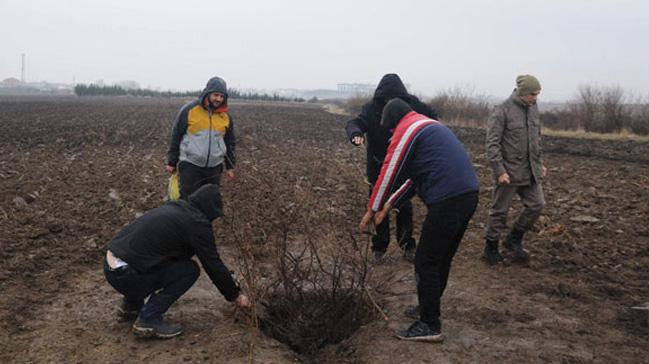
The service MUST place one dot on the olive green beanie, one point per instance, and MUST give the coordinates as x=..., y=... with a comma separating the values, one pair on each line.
x=526, y=84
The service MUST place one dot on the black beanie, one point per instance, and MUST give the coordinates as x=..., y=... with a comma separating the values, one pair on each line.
x=393, y=112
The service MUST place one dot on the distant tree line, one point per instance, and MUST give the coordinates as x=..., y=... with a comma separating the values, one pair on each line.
x=114, y=90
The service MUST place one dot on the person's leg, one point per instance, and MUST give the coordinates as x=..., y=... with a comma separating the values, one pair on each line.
x=173, y=279
x=189, y=177
x=436, y=242
x=466, y=206
x=211, y=175
x=497, y=222
x=133, y=287
x=405, y=228
x=533, y=204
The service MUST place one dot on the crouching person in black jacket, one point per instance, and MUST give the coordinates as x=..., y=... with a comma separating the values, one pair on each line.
x=152, y=257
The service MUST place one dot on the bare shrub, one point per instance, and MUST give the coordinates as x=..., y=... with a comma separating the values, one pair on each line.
x=289, y=218
x=639, y=117
x=559, y=119
x=601, y=109
x=461, y=105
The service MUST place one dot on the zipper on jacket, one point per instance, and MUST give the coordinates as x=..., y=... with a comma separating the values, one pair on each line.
x=209, y=140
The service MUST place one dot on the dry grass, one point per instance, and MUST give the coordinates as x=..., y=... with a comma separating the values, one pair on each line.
x=625, y=134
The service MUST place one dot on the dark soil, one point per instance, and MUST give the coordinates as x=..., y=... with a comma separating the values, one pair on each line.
x=75, y=170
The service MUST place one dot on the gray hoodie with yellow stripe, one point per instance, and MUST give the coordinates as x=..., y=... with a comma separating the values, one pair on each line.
x=203, y=135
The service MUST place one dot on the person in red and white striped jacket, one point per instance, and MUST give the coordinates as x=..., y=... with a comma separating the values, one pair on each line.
x=440, y=171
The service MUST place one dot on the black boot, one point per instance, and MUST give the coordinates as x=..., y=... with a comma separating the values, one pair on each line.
x=491, y=255
x=514, y=243
x=156, y=328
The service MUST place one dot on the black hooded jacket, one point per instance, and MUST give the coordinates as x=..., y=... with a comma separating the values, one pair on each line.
x=368, y=122
x=177, y=230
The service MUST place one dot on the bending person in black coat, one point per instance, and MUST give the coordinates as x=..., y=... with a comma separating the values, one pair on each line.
x=152, y=257
x=366, y=127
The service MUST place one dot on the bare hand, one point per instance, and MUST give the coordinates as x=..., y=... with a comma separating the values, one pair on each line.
x=229, y=175
x=381, y=215
x=544, y=171
x=503, y=179
x=242, y=301
x=365, y=221
x=170, y=169
x=358, y=140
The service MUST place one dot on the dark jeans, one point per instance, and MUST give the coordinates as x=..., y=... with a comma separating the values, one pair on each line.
x=165, y=284
x=441, y=234
x=381, y=240
x=192, y=177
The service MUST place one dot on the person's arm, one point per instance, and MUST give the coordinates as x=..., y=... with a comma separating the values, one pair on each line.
x=205, y=249
x=177, y=132
x=230, y=145
x=357, y=127
x=495, y=130
x=401, y=195
x=399, y=152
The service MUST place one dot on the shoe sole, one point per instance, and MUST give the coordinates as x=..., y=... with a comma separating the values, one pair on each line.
x=428, y=339
x=148, y=333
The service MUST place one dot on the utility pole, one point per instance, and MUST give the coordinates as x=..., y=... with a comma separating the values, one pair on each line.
x=22, y=69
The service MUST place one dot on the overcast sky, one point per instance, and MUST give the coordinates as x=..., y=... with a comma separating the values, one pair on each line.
x=433, y=45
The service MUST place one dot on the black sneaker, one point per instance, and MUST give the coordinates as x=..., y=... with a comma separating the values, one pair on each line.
x=421, y=331
x=412, y=312
x=156, y=328
x=491, y=255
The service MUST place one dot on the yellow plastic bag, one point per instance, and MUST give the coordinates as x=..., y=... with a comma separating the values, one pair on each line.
x=174, y=187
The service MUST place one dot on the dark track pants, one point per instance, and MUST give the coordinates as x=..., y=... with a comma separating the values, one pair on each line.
x=441, y=234
x=164, y=284
x=192, y=177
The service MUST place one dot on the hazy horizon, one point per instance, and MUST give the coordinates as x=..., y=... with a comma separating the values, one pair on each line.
x=304, y=45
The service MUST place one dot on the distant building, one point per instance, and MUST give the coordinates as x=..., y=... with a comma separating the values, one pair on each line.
x=350, y=89
x=10, y=82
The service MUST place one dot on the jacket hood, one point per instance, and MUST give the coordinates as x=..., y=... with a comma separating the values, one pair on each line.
x=393, y=112
x=208, y=200
x=390, y=87
x=215, y=84
x=517, y=100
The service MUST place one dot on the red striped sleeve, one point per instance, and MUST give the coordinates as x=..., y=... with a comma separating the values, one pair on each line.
x=402, y=139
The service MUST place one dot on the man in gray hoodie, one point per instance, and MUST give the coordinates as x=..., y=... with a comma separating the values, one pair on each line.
x=202, y=140
x=514, y=153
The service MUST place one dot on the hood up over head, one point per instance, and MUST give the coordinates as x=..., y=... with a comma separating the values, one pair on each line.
x=208, y=200
x=390, y=87
x=215, y=84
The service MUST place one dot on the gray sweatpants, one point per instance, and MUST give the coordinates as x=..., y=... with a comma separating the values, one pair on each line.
x=533, y=203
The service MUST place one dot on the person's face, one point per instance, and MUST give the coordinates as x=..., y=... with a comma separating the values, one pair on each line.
x=531, y=98
x=216, y=98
